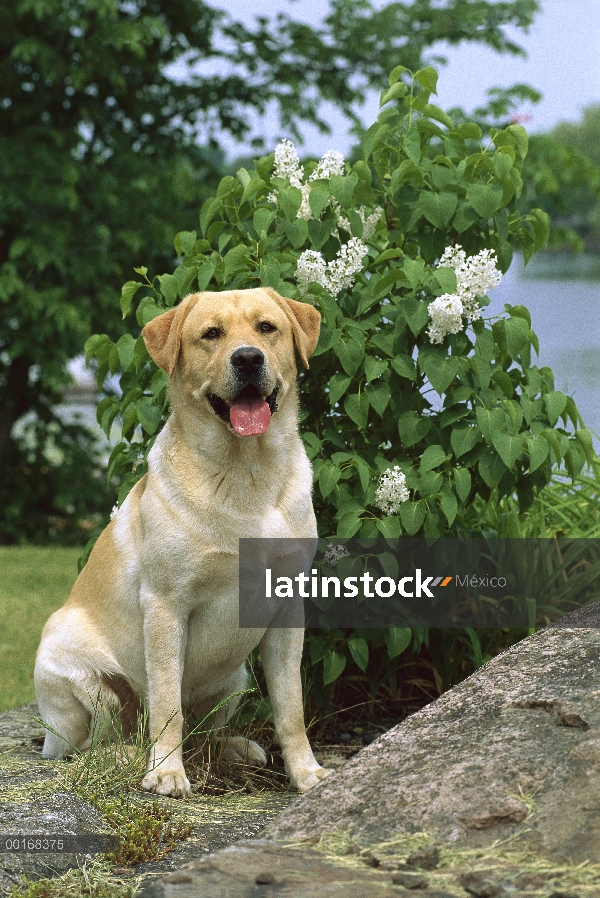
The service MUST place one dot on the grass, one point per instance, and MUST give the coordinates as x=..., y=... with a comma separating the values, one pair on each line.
x=34, y=583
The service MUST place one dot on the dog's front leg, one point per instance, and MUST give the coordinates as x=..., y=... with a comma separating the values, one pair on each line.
x=165, y=637
x=281, y=653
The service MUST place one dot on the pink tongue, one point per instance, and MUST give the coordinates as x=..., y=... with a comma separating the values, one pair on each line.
x=249, y=415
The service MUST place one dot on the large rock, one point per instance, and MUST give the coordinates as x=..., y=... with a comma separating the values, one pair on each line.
x=512, y=751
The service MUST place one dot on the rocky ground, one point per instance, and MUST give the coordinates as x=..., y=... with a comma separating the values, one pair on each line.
x=491, y=790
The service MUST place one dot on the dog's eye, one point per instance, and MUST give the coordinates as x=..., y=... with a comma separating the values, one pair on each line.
x=266, y=327
x=212, y=333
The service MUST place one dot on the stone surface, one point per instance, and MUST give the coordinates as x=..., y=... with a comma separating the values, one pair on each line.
x=514, y=751
x=257, y=868
x=33, y=800
x=511, y=753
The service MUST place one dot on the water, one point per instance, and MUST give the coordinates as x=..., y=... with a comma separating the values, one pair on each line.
x=565, y=315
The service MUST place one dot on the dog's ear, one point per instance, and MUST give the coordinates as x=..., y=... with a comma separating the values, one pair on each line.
x=162, y=335
x=305, y=321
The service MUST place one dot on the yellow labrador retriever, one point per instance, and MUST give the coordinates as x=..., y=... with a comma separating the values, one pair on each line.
x=154, y=613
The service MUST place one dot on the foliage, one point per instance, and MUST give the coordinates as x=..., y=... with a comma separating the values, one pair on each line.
x=466, y=420
x=565, y=182
x=109, y=118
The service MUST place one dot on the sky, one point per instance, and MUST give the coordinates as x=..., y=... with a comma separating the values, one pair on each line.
x=563, y=48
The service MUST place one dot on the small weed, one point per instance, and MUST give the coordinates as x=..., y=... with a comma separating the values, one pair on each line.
x=145, y=833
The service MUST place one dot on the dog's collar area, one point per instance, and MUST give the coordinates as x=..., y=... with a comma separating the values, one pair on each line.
x=221, y=408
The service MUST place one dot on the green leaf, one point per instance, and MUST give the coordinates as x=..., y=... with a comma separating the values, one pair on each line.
x=328, y=477
x=342, y=187
x=517, y=335
x=364, y=472
x=427, y=78
x=432, y=458
x=399, y=89
x=490, y=420
x=333, y=665
x=378, y=395
x=338, y=385
x=412, y=428
x=262, y=220
x=319, y=232
x=297, y=232
x=318, y=199
x=149, y=414
x=359, y=651
x=463, y=438
x=508, y=447
x=350, y=353
x=438, y=208
x=357, y=408
x=389, y=526
x=555, y=403
x=552, y=439
x=397, y=640
x=349, y=523
x=416, y=314
x=441, y=369
x=374, y=368
x=128, y=291
x=462, y=483
x=485, y=198
x=412, y=515
x=126, y=349
x=184, y=242
x=289, y=199
x=449, y=506
x=205, y=273
x=538, y=449
x=396, y=74
x=584, y=438
x=464, y=217
x=446, y=278
x=405, y=366
x=492, y=468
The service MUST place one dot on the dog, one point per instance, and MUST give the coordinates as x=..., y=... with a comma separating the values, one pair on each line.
x=154, y=613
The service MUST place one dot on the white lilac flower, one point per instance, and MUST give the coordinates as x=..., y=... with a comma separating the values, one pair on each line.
x=287, y=163
x=332, y=163
x=311, y=268
x=348, y=262
x=475, y=275
x=334, y=553
x=334, y=276
x=446, y=317
x=392, y=491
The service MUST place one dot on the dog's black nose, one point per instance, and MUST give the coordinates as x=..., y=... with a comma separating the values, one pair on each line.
x=247, y=359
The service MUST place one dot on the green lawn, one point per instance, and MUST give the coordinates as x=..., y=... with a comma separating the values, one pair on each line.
x=34, y=582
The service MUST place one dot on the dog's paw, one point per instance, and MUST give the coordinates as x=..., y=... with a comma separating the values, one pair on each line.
x=167, y=782
x=303, y=780
x=244, y=751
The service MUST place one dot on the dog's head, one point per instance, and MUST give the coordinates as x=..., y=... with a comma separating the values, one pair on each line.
x=234, y=351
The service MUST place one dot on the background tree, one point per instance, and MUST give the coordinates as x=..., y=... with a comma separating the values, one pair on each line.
x=105, y=154
x=562, y=176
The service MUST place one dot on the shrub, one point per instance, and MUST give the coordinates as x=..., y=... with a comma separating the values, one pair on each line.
x=408, y=377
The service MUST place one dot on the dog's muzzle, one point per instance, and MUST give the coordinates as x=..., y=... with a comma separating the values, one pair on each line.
x=249, y=412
